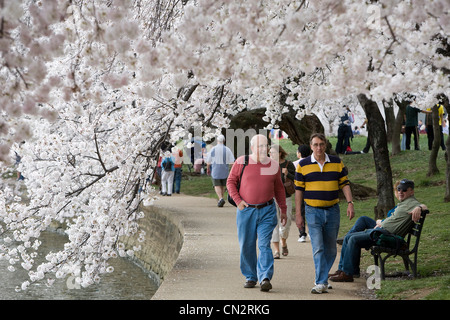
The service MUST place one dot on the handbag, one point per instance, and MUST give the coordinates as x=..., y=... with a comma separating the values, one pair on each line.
x=229, y=198
x=289, y=183
x=383, y=238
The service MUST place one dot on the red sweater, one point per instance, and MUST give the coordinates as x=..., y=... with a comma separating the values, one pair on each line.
x=260, y=183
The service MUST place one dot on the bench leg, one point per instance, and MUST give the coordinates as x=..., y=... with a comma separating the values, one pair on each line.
x=406, y=262
x=409, y=264
x=382, y=274
x=414, y=270
x=414, y=265
x=379, y=262
x=375, y=259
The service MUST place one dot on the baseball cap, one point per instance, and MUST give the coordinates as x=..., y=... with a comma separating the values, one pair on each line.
x=405, y=184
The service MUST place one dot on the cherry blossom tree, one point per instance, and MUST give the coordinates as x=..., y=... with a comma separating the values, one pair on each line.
x=95, y=88
x=324, y=51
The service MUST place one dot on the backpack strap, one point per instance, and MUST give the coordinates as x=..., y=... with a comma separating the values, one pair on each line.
x=230, y=199
x=242, y=172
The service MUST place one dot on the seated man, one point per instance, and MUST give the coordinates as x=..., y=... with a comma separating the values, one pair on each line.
x=399, y=223
x=364, y=222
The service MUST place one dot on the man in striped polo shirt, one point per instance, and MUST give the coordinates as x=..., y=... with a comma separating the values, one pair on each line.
x=318, y=179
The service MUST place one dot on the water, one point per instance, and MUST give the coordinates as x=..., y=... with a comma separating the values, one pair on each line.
x=127, y=282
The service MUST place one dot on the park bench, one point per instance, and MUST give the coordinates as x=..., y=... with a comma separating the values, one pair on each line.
x=415, y=232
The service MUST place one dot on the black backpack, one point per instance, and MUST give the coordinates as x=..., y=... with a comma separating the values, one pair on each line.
x=167, y=165
x=384, y=238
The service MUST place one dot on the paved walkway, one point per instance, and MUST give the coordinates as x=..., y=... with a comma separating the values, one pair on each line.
x=208, y=265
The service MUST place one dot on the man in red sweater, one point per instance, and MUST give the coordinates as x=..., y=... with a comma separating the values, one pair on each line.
x=256, y=211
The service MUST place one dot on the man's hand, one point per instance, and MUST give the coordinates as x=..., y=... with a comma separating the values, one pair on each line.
x=378, y=225
x=299, y=221
x=417, y=212
x=350, y=211
x=242, y=205
x=348, y=196
x=283, y=218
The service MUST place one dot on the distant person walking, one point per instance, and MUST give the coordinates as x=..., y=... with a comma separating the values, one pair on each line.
x=217, y=165
x=344, y=131
x=318, y=180
x=256, y=215
x=411, y=122
x=178, y=166
x=168, y=170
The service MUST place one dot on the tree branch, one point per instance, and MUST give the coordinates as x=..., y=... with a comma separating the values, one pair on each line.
x=394, y=40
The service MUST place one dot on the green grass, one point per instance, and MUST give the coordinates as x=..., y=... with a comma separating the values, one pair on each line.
x=434, y=250
x=197, y=185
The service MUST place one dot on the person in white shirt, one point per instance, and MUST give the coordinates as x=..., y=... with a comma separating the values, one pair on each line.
x=217, y=165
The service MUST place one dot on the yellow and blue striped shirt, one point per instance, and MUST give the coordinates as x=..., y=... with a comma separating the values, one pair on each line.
x=321, y=186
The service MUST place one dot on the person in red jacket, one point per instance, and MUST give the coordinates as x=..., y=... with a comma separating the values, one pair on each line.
x=256, y=211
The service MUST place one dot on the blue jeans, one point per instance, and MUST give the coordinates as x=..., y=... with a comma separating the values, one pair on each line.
x=363, y=223
x=177, y=180
x=256, y=225
x=351, y=250
x=323, y=224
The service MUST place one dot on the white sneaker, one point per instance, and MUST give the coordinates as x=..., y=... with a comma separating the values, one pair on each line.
x=302, y=239
x=319, y=288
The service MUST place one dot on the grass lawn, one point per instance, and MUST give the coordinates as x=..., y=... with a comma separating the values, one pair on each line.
x=434, y=250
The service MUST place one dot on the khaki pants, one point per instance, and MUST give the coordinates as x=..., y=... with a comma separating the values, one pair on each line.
x=283, y=231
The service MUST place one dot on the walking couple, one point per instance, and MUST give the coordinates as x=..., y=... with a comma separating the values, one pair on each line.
x=257, y=214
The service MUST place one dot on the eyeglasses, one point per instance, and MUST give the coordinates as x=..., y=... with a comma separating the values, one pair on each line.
x=402, y=189
x=315, y=145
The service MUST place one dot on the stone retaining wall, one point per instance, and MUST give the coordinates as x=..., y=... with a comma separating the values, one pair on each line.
x=163, y=242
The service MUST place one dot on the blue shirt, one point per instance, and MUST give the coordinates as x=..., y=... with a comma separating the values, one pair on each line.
x=220, y=157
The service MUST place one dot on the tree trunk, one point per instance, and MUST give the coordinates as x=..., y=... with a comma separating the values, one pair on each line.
x=378, y=139
x=398, y=126
x=432, y=165
x=390, y=119
x=299, y=131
